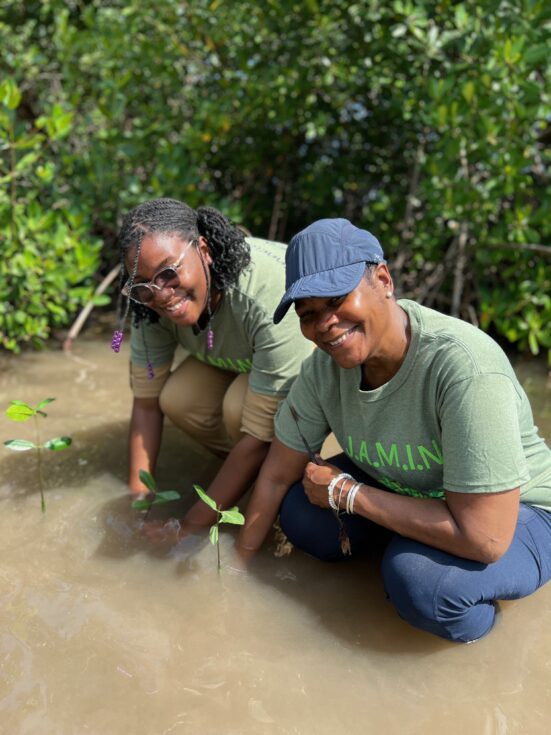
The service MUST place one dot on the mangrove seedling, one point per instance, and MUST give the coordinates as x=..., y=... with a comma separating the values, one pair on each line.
x=232, y=515
x=20, y=411
x=155, y=497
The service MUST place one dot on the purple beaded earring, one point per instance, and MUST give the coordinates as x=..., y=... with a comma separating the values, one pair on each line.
x=118, y=334
x=116, y=340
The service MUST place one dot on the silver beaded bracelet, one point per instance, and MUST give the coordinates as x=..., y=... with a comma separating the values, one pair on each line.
x=331, y=487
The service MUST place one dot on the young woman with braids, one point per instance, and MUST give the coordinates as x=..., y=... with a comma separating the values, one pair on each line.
x=191, y=278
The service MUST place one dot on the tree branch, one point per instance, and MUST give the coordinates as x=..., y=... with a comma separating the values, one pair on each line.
x=459, y=269
x=276, y=209
x=544, y=249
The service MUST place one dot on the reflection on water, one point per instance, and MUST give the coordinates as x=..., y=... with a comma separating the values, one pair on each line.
x=102, y=633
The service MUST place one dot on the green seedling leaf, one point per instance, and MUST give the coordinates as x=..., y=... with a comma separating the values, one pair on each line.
x=19, y=445
x=167, y=496
x=59, y=443
x=148, y=480
x=204, y=497
x=44, y=403
x=213, y=534
x=232, y=515
x=19, y=411
x=143, y=504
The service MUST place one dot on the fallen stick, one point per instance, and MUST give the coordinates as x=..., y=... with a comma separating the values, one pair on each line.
x=87, y=310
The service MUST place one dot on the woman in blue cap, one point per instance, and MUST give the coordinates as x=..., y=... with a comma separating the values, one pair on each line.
x=440, y=447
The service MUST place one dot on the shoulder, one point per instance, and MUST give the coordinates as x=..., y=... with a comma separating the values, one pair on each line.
x=456, y=348
x=320, y=371
x=266, y=252
x=260, y=286
x=263, y=281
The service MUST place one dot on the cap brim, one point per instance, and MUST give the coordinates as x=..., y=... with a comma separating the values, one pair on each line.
x=334, y=282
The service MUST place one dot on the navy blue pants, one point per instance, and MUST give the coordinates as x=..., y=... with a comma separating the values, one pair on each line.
x=440, y=593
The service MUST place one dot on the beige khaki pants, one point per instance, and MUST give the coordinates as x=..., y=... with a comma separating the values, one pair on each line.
x=206, y=403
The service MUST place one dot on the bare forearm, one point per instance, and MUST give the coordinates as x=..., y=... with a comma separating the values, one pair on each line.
x=282, y=468
x=146, y=426
x=260, y=516
x=432, y=522
x=426, y=520
x=232, y=480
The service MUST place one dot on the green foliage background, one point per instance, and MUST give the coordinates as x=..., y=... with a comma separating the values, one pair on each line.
x=426, y=122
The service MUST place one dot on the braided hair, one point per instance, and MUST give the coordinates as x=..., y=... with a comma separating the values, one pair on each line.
x=229, y=251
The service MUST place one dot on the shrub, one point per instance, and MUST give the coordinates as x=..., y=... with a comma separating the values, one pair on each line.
x=48, y=255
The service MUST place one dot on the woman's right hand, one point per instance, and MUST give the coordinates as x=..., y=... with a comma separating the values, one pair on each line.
x=241, y=558
x=173, y=532
x=163, y=532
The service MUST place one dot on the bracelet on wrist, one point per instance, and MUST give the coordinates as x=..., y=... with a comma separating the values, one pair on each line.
x=331, y=489
x=351, y=497
x=341, y=490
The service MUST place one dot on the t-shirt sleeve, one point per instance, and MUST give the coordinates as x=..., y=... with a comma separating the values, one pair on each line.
x=481, y=437
x=311, y=419
x=155, y=343
x=145, y=386
x=278, y=352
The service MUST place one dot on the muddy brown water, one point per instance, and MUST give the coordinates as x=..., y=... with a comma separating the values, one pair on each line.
x=101, y=633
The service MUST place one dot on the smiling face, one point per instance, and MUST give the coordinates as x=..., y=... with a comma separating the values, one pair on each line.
x=185, y=302
x=357, y=328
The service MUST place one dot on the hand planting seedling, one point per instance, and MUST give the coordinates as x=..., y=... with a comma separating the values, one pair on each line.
x=155, y=497
x=232, y=515
x=20, y=411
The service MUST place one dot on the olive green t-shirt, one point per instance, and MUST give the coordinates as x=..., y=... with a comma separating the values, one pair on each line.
x=453, y=417
x=245, y=338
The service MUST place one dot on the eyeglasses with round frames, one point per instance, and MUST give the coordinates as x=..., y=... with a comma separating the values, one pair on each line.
x=166, y=277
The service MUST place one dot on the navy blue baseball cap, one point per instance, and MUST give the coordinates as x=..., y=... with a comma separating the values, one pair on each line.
x=326, y=259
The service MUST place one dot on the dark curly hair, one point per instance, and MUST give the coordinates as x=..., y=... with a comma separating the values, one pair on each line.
x=229, y=251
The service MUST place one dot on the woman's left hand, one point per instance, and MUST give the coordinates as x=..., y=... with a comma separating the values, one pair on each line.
x=316, y=481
